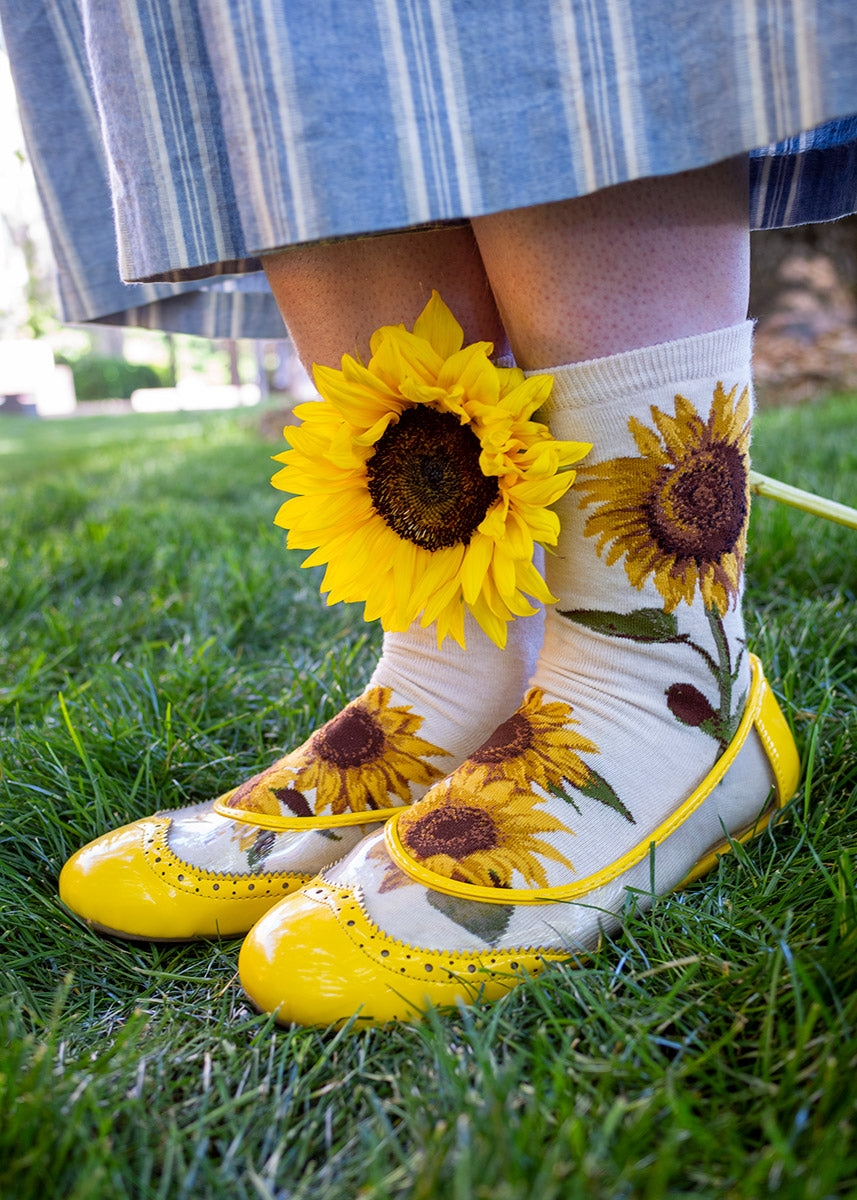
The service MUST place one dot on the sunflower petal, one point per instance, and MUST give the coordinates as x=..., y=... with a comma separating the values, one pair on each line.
x=493, y=626
x=477, y=560
x=472, y=370
x=400, y=354
x=439, y=327
x=359, y=405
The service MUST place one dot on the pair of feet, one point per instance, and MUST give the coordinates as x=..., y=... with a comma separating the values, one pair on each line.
x=461, y=839
x=369, y=881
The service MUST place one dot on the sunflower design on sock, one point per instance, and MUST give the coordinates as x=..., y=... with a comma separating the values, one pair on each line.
x=422, y=482
x=394, y=877
x=357, y=762
x=270, y=794
x=480, y=824
x=534, y=746
x=481, y=836
x=264, y=793
x=679, y=512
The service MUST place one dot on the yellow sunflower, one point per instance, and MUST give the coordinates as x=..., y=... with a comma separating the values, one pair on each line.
x=480, y=835
x=357, y=762
x=678, y=513
x=535, y=745
x=422, y=482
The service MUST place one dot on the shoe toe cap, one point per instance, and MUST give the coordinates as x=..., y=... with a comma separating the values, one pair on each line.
x=299, y=963
x=126, y=884
x=111, y=884
x=315, y=959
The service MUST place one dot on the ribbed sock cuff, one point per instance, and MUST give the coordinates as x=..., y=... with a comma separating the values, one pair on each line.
x=622, y=376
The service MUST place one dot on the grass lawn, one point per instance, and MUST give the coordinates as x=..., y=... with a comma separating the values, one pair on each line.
x=158, y=644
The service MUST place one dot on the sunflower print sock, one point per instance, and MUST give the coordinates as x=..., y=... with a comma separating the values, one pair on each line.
x=424, y=709
x=644, y=671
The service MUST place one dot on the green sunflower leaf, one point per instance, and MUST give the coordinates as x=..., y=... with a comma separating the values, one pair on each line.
x=486, y=921
x=736, y=718
x=261, y=846
x=715, y=728
x=330, y=834
x=641, y=625
x=563, y=795
x=597, y=788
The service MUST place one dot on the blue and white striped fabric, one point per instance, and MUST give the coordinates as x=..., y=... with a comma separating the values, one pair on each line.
x=234, y=127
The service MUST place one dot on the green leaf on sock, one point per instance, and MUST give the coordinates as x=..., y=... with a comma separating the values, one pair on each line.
x=261, y=846
x=330, y=834
x=642, y=625
x=562, y=795
x=718, y=731
x=736, y=718
x=597, y=788
x=486, y=921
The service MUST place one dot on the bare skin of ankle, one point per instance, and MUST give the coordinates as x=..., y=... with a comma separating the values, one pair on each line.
x=630, y=266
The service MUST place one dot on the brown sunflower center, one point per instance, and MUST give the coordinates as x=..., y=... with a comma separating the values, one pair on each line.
x=508, y=740
x=425, y=482
x=698, y=510
x=351, y=739
x=456, y=830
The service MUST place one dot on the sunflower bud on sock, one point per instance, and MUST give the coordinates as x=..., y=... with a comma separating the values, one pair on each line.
x=647, y=736
x=422, y=482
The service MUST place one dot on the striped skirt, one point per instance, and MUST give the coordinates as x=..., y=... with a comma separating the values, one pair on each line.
x=181, y=139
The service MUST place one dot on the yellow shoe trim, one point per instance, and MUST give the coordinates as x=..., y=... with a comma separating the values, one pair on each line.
x=212, y=885
x=318, y=958
x=405, y=959
x=129, y=883
x=369, y=816
x=762, y=713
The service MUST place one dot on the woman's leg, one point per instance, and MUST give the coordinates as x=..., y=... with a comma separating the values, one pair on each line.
x=333, y=297
x=635, y=300
x=630, y=266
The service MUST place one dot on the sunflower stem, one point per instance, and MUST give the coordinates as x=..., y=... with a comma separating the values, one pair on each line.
x=720, y=726
x=723, y=675
x=703, y=653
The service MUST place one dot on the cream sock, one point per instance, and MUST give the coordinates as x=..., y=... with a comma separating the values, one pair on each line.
x=646, y=641
x=424, y=709
x=642, y=679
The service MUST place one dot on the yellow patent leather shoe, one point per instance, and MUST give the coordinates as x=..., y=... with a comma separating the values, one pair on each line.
x=130, y=883
x=213, y=869
x=383, y=936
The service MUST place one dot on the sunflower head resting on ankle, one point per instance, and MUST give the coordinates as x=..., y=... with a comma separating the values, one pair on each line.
x=422, y=482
